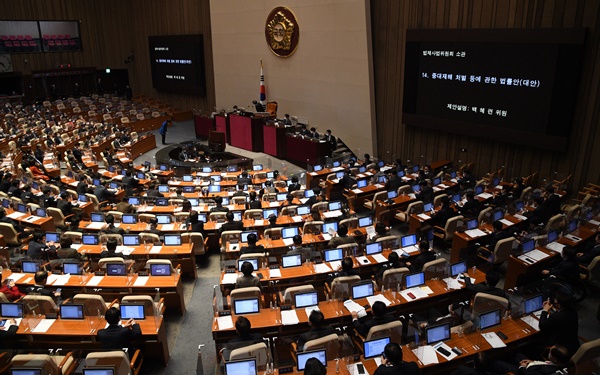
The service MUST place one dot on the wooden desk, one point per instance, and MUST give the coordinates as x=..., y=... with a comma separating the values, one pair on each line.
x=203, y=125
x=246, y=132
x=274, y=142
x=357, y=197
x=384, y=212
x=36, y=222
x=302, y=151
x=143, y=145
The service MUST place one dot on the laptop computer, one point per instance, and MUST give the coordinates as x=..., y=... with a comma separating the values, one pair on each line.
x=257, y=167
x=409, y=240
x=302, y=357
x=552, y=236
x=373, y=248
x=437, y=333
x=309, y=193
x=11, y=310
x=268, y=212
x=294, y=260
x=472, y=224
x=71, y=268
x=133, y=311
x=416, y=188
x=361, y=183
x=333, y=255
x=163, y=188
x=489, y=319
x=245, y=235
x=498, y=215
x=71, y=311
x=427, y=207
x=187, y=178
x=99, y=371
x=246, y=306
x=392, y=194
x=478, y=189
x=289, y=232
x=307, y=299
x=362, y=289
x=82, y=198
x=237, y=216
x=528, y=246
x=241, y=367
x=160, y=270
x=89, y=239
x=572, y=226
x=281, y=197
x=131, y=240
x=414, y=280
x=303, y=210
x=333, y=206
x=52, y=237
x=129, y=219
x=253, y=261
x=374, y=348
x=163, y=219
x=317, y=168
x=26, y=371
x=172, y=240
x=41, y=212
x=458, y=268
x=97, y=217
x=189, y=189
x=135, y=201
x=161, y=202
x=163, y=167
x=116, y=269
x=327, y=226
x=22, y=208
x=29, y=266
x=365, y=221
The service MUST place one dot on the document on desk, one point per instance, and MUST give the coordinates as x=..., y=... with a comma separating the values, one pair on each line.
x=274, y=272
x=485, y=195
x=289, y=318
x=449, y=349
x=353, y=369
x=167, y=227
x=262, y=222
x=410, y=249
x=474, y=233
x=94, y=281
x=297, y=219
x=335, y=265
x=332, y=214
x=416, y=292
x=378, y=297
x=15, y=215
x=363, y=260
x=537, y=255
x=43, y=326
x=32, y=218
x=424, y=216
x=225, y=322
x=61, y=280
x=594, y=222
x=95, y=225
x=326, y=236
x=155, y=249
x=352, y=306
x=141, y=281
x=231, y=278
x=426, y=354
x=506, y=222
x=322, y=268
x=520, y=217
x=379, y=258
x=556, y=247
x=532, y=321
x=356, y=191
x=288, y=241
x=15, y=276
x=452, y=283
x=493, y=339
x=52, y=278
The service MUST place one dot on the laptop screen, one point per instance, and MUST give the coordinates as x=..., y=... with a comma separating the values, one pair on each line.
x=237, y=215
x=246, y=306
x=303, y=210
x=161, y=202
x=327, y=226
x=373, y=248
x=163, y=219
x=306, y=299
x=129, y=219
x=26, y=371
x=289, y=232
x=163, y=188
x=374, y=348
x=99, y=371
x=247, y=233
x=163, y=167
x=22, y=208
x=71, y=268
x=11, y=310
x=82, y=198
x=41, y=212
x=71, y=311
x=232, y=168
x=519, y=205
x=336, y=164
x=401, y=173
x=533, y=304
x=321, y=355
x=89, y=239
x=427, y=207
x=362, y=169
x=333, y=255
x=281, y=196
x=458, y=268
x=437, y=333
x=552, y=236
x=409, y=240
x=254, y=263
x=294, y=260
x=498, y=215
x=257, y=167
x=528, y=245
x=172, y=240
x=572, y=226
x=97, y=217
x=415, y=279
x=187, y=178
x=472, y=224
x=456, y=197
x=489, y=319
x=392, y=194
x=243, y=367
x=113, y=185
x=268, y=212
x=6, y=203
x=96, y=182
x=116, y=269
x=30, y=266
x=133, y=201
x=365, y=221
x=189, y=189
x=437, y=181
x=317, y=168
x=133, y=311
x=478, y=189
x=308, y=193
x=141, y=176
x=416, y=188
x=131, y=240
x=333, y=206
x=361, y=183
x=52, y=237
x=160, y=270
x=363, y=289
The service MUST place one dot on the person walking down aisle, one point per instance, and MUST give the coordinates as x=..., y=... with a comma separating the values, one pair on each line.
x=163, y=130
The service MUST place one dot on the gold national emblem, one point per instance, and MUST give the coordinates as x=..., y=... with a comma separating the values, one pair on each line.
x=282, y=32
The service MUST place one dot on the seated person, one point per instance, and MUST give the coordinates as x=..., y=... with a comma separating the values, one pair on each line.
x=111, y=248
x=559, y=322
x=10, y=290
x=153, y=221
x=393, y=262
x=425, y=255
x=590, y=252
x=567, y=269
x=346, y=269
x=244, y=179
x=541, y=214
x=314, y=367
x=253, y=203
x=297, y=248
x=295, y=185
x=247, y=279
x=7, y=337
x=444, y=213
x=219, y=206
x=426, y=193
x=252, y=246
x=195, y=224
x=111, y=228
x=497, y=235
x=491, y=280
x=66, y=251
x=392, y=363
x=231, y=224
x=117, y=336
x=481, y=365
x=318, y=329
x=553, y=359
x=381, y=230
x=38, y=248
x=40, y=279
x=342, y=237
x=472, y=207
x=379, y=317
x=244, y=335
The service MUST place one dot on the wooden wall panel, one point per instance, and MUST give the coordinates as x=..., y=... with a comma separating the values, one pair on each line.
x=582, y=158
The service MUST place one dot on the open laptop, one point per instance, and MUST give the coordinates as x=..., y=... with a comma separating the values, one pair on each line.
x=410, y=240
x=414, y=280
x=365, y=221
x=41, y=212
x=373, y=248
x=187, y=178
x=458, y=268
x=172, y=240
x=26, y=371
x=11, y=310
x=29, y=266
x=161, y=202
x=361, y=184
x=437, y=333
x=427, y=207
x=362, y=289
x=327, y=226
x=333, y=255
x=97, y=217
x=478, y=189
x=528, y=245
x=242, y=367
x=289, y=232
x=129, y=219
x=160, y=270
x=308, y=299
x=135, y=201
x=334, y=206
x=133, y=311
x=131, y=240
x=89, y=239
x=498, y=215
x=472, y=224
x=98, y=371
x=71, y=311
x=52, y=237
x=245, y=235
x=303, y=210
x=534, y=304
x=189, y=189
x=302, y=357
x=71, y=268
x=163, y=188
x=116, y=269
x=489, y=319
x=163, y=219
x=268, y=212
x=374, y=348
x=254, y=263
x=294, y=260
x=246, y=306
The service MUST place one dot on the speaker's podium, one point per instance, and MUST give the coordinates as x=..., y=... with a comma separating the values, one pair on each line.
x=216, y=141
x=246, y=131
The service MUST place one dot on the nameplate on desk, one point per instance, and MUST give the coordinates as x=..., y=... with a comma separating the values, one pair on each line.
x=224, y=312
x=286, y=307
x=233, y=270
x=99, y=273
x=286, y=370
x=142, y=273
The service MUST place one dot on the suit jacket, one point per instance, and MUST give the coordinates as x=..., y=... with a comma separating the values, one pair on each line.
x=36, y=250
x=231, y=225
x=117, y=337
x=337, y=241
x=81, y=187
x=7, y=336
x=304, y=251
x=471, y=208
x=553, y=204
x=589, y=255
x=247, y=281
x=65, y=207
x=102, y=193
x=568, y=270
x=426, y=194
x=441, y=217
x=364, y=327
x=68, y=253
x=252, y=249
x=484, y=288
x=314, y=333
x=405, y=368
x=41, y=291
x=125, y=208
x=420, y=260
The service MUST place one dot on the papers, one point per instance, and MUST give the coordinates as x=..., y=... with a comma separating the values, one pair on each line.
x=533, y=322
x=168, y=227
x=289, y=318
x=303, y=200
x=423, y=216
x=15, y=276
x=371, y=232
x=322, y=268
x=141, y=281
x=332, y=214
x=274, y=272
x=415, y=293
x=378, y=297
x=335, y=265
x=273, y=204
x=15, y=215
x=326, y=236
x=310, y=309
x=452, y=283
x=155, y=249
x=355, y=307
x=288, y=241
x=335, y=169
x=379, y=258
x=94, y=281
x=225, y=322
x=260, y=222
x=537, y=255
x=426, y=355
x=52, y=278
x=520, y=217
x=485, y=195
x=506, y=222
x=43, y=326
x=61, y=280
x=229, y=278
x=363, y=260
x=555, y=246
x=493, y=339
x=95, y=225
x=411, y=249
x=353, y=369
x=449, y=349
x=412, y=196
x=126, y=250
x=594, y=222
x=473, y=233
x=297, y=219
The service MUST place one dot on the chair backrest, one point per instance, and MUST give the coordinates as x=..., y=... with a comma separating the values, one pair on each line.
x=485, y=302
x=321, y=206
x=438, y=198
x=36, y=361
x=380, y=196
x=436, y=268
x=404, y=190
x=145, y=218
x=587, y=352
x=150, y=308
x=393, y=277
x=350, y=223
x=197, y=240
x=243, y=293
x=158, y=261
x=230, y=235
x=74, y=236
x=526, y=192
x=503, y=250
x=594, y=269
x=111, y=236
x=102, y=262
x=340, y=286
x=9, y=233
x=257, y=351
x=217, y=216
x=238, y=200
x=150, y=237
x=3, y=298
x=117, y=359
x=312, y=227
x=349, y=249
x=485, y=215
x=273, y=233
x=555, y=222
x=289, y=211
x=391, y=329
x=118, y=215
x=288, y=295
x=572, y=212
x=93, y=304
x=39, y=304
x=256, y=214
x=389, y=242
x=415, y=208
x=452, y=225
x=331, y=344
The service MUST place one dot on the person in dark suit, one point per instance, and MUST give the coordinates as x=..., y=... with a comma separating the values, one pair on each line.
x=125, y=207
x=481, y=366
x=467, y=180
x=244, y=334
x=472, y=207
x=66, y=251
x=247, y=279
x=153, y=191
x=129, y=183
x=111, y=228
x=116, y=336
x=294, y=185
x=445, y=212
x=591, y=251
x=425, y=255
x=568, y=268
x=392, y=363
x=497, y=235
x=7, y=337
x=426, y=193
x=559, y=322
x=64, y=204
x=219, y=206
x=297, y=248
x=394, y=182
x=6, y=183
x=328, y=137
x=316, y=198
x=518, y=188
x=318, y=329
x=253, y=203
x=40, y=279
x=38, y=248
x=195, y=224
x=552, y=202
x=491, y=280
x=82, y=186
x=379, y=317
x=553, y=359
x=231, y=224
x=102, y=193
x=252, y=246
x=244, y=179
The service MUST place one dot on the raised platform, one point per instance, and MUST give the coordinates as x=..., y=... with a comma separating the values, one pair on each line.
x=169, y=155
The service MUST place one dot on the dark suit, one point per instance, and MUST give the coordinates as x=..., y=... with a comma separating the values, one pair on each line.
x=65, y=207
x=252, y=249
x=294, y=187
x=68, y=253
x=394, y=183
x=81, y=187
x=405, y=368
x=117, y=337
x=484, y=288
x=231, y=225
x=497, y=238
x=553, y=204
x=567, y=270
x=420, y=260
x=154, y=193
x=314, y=333
x=7, y=336
x=441, y=217
x=426, y=194
x=304, y=251
x=102, y=193
x=40, y=291
x=471, y=208
x=36, y=250
x=364, y=327
x=589, y=255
